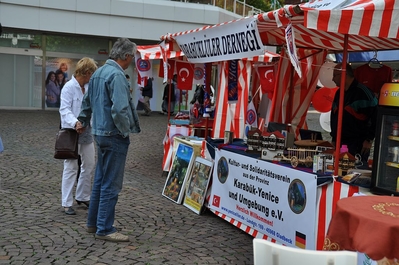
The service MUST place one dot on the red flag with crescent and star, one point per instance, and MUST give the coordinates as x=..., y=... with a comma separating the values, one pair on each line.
x=266, y=77
x=185, y=75
x=216, y=201
x=171, y=69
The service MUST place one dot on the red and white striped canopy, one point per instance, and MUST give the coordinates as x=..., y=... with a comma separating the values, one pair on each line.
x=373, y=18
x=267, y=57
x=368, y=25
x=371, y=25
x=151, y=52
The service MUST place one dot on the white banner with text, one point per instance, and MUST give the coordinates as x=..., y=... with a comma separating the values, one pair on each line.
x=236, y=40
x=277, y=201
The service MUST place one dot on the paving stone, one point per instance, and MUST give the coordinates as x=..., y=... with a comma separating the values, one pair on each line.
x=34, y=229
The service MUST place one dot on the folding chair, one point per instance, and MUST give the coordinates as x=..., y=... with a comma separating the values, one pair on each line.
x=269, y=253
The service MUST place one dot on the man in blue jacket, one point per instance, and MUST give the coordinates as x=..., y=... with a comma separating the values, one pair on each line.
x=110, y=108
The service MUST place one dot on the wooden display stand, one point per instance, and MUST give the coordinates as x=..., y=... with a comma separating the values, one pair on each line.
x=200, y=128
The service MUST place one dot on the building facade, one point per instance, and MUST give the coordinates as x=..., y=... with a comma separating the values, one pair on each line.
x=41, y=36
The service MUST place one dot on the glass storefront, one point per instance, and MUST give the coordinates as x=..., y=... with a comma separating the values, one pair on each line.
x=19, y=85
x=26, y=61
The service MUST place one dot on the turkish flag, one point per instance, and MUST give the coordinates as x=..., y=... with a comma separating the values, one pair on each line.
x=216, y=201
x=171, y=68
x=267, y=80
x=185, y=75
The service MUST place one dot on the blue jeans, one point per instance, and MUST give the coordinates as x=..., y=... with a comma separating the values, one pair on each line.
x=108, y=179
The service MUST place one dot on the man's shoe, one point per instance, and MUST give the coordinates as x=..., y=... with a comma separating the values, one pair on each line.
x=91, y=230
x=114, y=237
x=69, y=211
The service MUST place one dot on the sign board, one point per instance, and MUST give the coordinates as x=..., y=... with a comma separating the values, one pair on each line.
x=326, y=4
x=277, y=201
x=236, y=40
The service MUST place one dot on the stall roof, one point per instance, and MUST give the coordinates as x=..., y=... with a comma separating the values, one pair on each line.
x=363, y=25
x=151, y=52
x=371, y=25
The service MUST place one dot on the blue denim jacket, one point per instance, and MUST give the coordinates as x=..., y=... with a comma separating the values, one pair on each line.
x=108, y=100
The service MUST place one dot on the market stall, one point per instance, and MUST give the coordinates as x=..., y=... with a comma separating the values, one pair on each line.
x=361, y=29
x=224, y=112
x=307, y=32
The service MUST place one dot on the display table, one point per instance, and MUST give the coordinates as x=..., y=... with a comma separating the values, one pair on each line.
x=367, y=224
x=239, y=181
x=201, y=127
x=252, y=183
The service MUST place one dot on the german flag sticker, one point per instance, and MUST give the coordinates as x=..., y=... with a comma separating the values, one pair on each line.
x=300, y=240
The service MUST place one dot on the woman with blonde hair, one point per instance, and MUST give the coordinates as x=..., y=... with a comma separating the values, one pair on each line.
x=64, y=69
x=71, y=101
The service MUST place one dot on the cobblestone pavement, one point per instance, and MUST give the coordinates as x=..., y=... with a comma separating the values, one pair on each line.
x=34, y=229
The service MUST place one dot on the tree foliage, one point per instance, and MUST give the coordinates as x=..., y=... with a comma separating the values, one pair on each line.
x=260, y=4
x=265, y=5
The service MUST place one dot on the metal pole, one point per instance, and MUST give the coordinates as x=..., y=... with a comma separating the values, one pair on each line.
x=44, y=60
x=341, y=105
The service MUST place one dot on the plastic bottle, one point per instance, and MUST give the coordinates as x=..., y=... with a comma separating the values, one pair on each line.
x=395, y=128
x=371, y=156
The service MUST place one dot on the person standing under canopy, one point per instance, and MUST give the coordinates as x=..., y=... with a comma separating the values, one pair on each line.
x=359, y=114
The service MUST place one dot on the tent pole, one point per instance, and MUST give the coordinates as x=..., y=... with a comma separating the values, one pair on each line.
x=169, y=95
x=208, y=73
x=341, y=105
x=288, y=114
